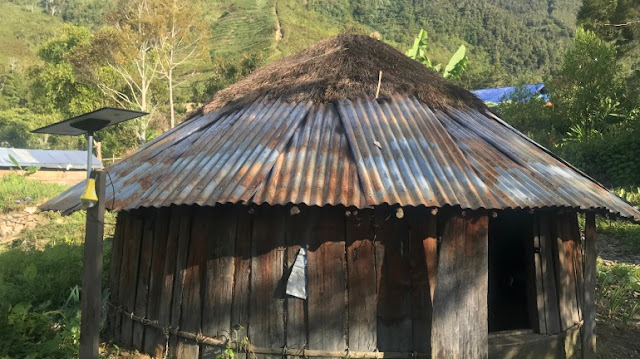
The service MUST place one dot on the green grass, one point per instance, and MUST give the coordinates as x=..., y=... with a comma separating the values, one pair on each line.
x=17, y=191
x=619, y=290
x=21, y=32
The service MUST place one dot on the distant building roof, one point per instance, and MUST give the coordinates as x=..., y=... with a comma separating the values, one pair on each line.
x=499, y=94
x=49, y=159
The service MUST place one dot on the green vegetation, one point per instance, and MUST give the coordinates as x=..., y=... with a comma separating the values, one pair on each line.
x=146, y=62
x=40, y=278
x=618, y=289
x=39, y=302
x=17, y=191
x=419, y=51
x=21, y=33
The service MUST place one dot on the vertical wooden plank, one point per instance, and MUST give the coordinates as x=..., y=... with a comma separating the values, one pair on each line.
x=539, y=287
x=363, y=298
x=154, y=338
x=144, y=269
x=218, y=291
x=184, y=242
x=552, y=313
x=114, y=271
x=589, y=313
x=394, y=303
x=242, y=276
x=460, y=317
x=577, y=263
x=327, y=281
x=176, y=214
x=266, y=305
x=129, y=276
x=193, y=273
x=422, y=262
x=571, y=242
x=299, y=229
x=565, y=278
x=474, y=286
x=445, y=332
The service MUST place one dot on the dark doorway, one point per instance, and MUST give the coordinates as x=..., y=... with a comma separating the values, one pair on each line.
x=509, y=236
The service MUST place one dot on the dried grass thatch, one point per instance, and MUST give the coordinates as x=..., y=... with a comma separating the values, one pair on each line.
x=345, y=67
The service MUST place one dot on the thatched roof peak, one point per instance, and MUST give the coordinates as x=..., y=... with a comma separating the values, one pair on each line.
x=345, y=67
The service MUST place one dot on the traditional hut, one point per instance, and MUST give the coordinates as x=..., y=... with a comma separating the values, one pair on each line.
x=348, y=202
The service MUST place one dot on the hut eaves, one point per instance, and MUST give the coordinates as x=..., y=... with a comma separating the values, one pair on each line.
x=307, y=130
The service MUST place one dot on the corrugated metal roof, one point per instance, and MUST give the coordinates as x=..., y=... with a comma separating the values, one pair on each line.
x=499, y=94
x=359, y=153
x=49, y=159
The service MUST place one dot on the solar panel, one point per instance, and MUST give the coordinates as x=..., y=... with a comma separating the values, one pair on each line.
x=90, y=122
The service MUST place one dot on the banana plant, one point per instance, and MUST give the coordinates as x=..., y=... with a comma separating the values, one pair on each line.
x=456, y=65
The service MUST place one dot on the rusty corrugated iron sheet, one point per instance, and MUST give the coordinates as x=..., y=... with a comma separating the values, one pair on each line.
x=359, y=153
x=317, y=167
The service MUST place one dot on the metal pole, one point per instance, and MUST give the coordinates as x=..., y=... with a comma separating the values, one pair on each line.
x=91, y=298
x=89, y=153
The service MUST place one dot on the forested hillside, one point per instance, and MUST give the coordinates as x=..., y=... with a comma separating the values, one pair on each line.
x=508, y=38
x=519, y=38
x=63, y=57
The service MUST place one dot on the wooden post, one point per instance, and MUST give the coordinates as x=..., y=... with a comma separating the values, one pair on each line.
x=92, y=275
x=588, y=312
x=99, y=151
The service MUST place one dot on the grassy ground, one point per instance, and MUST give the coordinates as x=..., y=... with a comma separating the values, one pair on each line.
x=16, y=192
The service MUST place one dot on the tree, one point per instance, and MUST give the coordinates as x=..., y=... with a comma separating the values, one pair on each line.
x=587, y=91
x=51, y=6
x=455, y=66
x=179, y=43
x=16, y=125
x=121, y=59
x=56, y=87
x=618, y=22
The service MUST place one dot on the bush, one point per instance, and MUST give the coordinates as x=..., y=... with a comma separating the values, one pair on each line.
x=39, y=302
x=612, y=159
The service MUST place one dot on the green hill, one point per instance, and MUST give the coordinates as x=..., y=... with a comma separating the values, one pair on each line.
x=21, y=32
x=509, y=41
x=521, y=39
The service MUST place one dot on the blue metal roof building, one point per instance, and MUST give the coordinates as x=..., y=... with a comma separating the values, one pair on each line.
x=499, y=94
x=47, y=159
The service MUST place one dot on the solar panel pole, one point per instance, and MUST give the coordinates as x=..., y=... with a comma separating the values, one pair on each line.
x=89, y=153
x=91, y=297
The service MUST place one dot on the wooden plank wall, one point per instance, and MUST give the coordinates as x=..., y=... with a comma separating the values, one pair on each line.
x=371, y=278
x=559, y=274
